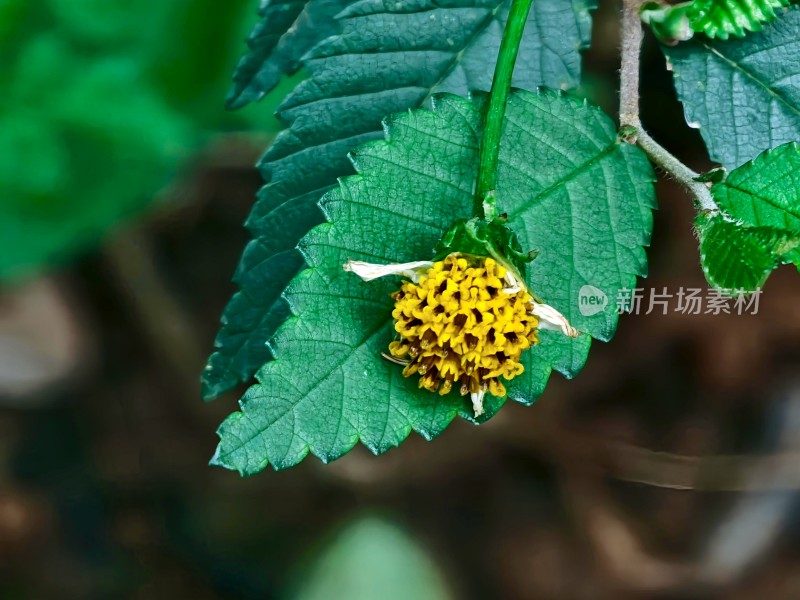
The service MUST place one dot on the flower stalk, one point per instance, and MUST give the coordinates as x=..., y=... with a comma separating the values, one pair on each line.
x=495, y=112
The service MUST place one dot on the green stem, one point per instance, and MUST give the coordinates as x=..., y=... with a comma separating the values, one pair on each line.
x=501, y=85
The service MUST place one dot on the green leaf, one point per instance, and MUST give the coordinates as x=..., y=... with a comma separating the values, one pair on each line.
x=247, y=317
x=286, y=31
x=571, y=191
x=761, y=227
x=765, y=192
x=723, y=18
x=388, y=57
x=737, y=258
x=372, y=559
x=743, y=94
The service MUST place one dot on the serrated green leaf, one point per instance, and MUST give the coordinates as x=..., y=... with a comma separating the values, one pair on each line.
x=570, y=190
x=737, y=258
x=723, y=18
x=388, y=57
x=248, y=314
x=765, y=192
x=287, y=29
x=744, y=95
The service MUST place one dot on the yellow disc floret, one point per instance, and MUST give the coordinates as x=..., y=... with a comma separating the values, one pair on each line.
x=461, y=325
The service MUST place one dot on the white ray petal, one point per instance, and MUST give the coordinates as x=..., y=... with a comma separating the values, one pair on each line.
x=369, y=271
x=513, y=285
x=477, y=401
x=551, y=319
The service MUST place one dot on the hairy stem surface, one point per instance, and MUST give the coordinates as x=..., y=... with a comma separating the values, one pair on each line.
x=633, y=132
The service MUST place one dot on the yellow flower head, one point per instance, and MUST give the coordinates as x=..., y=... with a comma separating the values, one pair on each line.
x=463, y=321
x=461, y=325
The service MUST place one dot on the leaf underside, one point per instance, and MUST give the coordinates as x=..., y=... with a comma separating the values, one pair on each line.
x=387, y=57
x=571, y=191
x=286, y=30
x=743, y=94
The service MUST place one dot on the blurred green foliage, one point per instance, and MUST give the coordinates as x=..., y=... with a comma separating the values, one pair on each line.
x=371, y=559
x=102, y=101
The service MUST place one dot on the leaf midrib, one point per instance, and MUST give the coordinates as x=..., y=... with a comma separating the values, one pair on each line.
x=574, y=174
x=765, y=199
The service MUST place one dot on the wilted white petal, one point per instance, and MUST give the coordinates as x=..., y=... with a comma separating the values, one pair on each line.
x=513, y=285
x=551, y=319
x=477, y=401
x=395, y=360
x=369, y=271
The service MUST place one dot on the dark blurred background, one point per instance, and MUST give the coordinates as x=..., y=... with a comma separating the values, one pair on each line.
x=668, y=469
